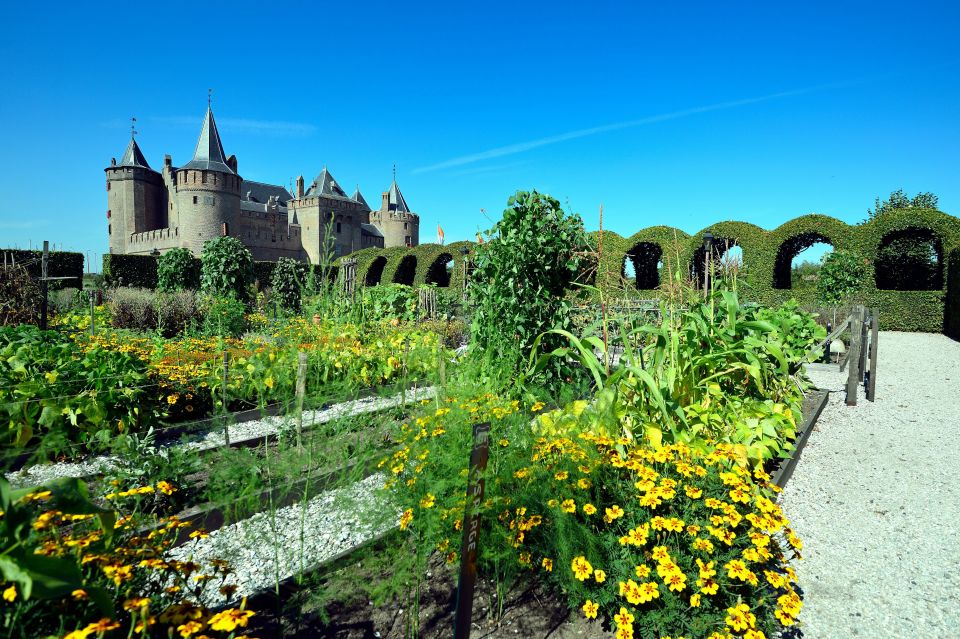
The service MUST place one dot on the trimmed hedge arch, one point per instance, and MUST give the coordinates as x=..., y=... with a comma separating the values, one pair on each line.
x=406, y=270
x=764, y=254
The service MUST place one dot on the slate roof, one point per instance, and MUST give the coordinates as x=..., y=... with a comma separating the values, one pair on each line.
x=133, y=156
x=325, y=186
x=397, y=203
x=209, y=153
x=261, y=192
x=358, y=196
x=370, y=229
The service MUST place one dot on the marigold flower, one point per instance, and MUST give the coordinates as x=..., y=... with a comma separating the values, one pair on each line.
x=600, y=576
x=10, y=594
x=406, y=518
x=695, y=601
x=428, y=501
x=230, y=619
x=104, y=625
x=590, y=609
x=614, y=512
x=623, y=618
x=568, y=506
x=581, y=568
x=589, y=509
x=136, y=603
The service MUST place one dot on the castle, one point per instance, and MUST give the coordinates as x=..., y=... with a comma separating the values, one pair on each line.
x=149, y=212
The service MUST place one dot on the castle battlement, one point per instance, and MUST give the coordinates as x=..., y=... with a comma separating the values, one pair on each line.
x=154, y=235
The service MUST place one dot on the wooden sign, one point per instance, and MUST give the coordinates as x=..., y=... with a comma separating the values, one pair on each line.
x=471, y=530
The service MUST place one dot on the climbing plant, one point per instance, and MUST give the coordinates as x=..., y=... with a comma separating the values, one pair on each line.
x=226, y=268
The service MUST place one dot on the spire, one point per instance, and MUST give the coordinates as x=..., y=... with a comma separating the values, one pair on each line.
x=397, y=203
x=133, y=156
x=358, y=196
x=209, y=154
x=324, y=184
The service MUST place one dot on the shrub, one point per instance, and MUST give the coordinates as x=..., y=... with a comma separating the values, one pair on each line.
x=19, y=297
x=841, y=276
x=132, y=308
x=522, y=277
x=223, y=317
x=227, y=268
x=177, y=270
x=287, y=284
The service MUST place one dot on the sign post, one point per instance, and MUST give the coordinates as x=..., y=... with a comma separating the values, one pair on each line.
x=471, y=530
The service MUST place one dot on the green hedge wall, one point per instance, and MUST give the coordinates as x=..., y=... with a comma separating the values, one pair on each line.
x=140, y=271
x=59, y=264
x=766, y=257
x=951, y=315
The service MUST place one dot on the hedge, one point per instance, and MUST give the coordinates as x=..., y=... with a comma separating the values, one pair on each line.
x=140, y=271
x=59, y=264
x=766, y=256
x=951, y=315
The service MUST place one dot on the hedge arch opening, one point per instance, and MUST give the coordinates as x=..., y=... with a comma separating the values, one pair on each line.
x=792, y=248
x=642, y=264
x=440, y=270
x=727, y=256
x=375, y=271
x=910, y=259
x=406, y=271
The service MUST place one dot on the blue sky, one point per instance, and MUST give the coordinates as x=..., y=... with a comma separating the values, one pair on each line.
x=667, y=113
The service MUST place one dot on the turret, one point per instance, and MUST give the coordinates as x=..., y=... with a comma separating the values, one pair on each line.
x=136, y=198
x=208, y=190
x=400, y=226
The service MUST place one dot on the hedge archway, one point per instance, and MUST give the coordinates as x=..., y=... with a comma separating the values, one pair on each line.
x=723, y=255
x=375, y=271
x=406, y=271
x=440, y=270
x=909, y=259
x=788, y=250
x=645, y=257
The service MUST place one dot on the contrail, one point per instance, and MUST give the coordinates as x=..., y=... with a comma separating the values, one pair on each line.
x=582, y=133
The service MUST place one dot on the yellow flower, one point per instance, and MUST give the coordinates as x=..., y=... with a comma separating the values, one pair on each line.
x=428, y=501
x=740, y=618
x=600, y=576
x=693, y=492
x=642, y=571
x=581, y=568
x=230, y=619
x=695, y=601
x=172, y=399
x=623, y=618
x=561, y=476
x=83, y=633
x=103, y=625
x=268, y=382
x=568, y=506
x=10, y=594
x=614, y=512
x=136, y=603
x=79, y=594
x=547, y=564
x=590, y=609
x=166, y=487
x=589, y=509
x=51, y=377
x=406, y=518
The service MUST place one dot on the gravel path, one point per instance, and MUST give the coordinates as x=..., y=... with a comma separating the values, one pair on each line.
x=36, y=475
x=876, y=499
x=270, y=547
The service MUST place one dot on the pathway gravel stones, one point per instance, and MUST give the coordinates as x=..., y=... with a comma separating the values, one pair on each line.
x=876, y=499
x=36, y=475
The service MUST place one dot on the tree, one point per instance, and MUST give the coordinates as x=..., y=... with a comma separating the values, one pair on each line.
x=841, y=275
x=900, y=200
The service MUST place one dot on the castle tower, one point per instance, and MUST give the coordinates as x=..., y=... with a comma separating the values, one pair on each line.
x=208, y=190
x=136, y=198
x=399, y=225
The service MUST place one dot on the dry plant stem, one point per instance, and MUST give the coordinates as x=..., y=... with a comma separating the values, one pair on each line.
x=603, y=304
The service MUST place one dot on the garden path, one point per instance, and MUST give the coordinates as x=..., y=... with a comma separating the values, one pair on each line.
x=876, y=499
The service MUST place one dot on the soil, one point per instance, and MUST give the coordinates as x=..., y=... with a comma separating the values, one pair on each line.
x=527, y=611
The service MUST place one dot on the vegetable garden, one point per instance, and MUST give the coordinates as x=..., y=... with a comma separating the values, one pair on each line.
x=222, y=458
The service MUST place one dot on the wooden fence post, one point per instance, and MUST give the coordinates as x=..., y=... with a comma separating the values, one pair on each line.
x=862, y=362
x=853, y=357
x=301, y=392
x=44, y=266
x=471, y=531
x=874, y=343
x=93, y=304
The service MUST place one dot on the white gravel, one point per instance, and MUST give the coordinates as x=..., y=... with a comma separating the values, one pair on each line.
x=37, y=475
x=270, y=547
x=876, y=499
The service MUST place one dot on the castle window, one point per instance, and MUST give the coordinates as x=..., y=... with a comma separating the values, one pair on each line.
x=108, y=186
x=338, y=227
x=406, y=240
x=195, y=199
x=405, y=228
x=204, y=177
x=109, y=229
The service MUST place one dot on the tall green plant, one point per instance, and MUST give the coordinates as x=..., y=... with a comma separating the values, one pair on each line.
x=177, y=271
x=287, y=283
x=842, y=275
x=226, y=268
x=522, y=277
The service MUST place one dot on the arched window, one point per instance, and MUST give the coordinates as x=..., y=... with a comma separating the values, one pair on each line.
x=375, y=272
x=642, y=264
x=798, y=258
x=406, y=271
x=910, y=259
x=440, y=270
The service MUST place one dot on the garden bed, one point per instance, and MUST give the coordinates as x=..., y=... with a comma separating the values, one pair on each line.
x=782, y=469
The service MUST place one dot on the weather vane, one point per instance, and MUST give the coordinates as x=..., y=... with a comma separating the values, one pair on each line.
x=394, y=171
x=209, y=97
x=133, y=127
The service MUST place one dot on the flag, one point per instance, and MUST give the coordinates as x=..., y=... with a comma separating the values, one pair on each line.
x=439, y=234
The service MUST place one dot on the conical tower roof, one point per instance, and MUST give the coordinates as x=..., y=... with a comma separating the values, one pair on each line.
x=324, y=184
x=358, y=196
x=397, y=203
x=133, y=156
x=209, y=154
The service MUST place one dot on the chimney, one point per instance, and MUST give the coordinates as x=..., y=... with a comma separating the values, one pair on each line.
x=167, y=161
x=385, y=201
x=300, y=186
x=113, y=161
